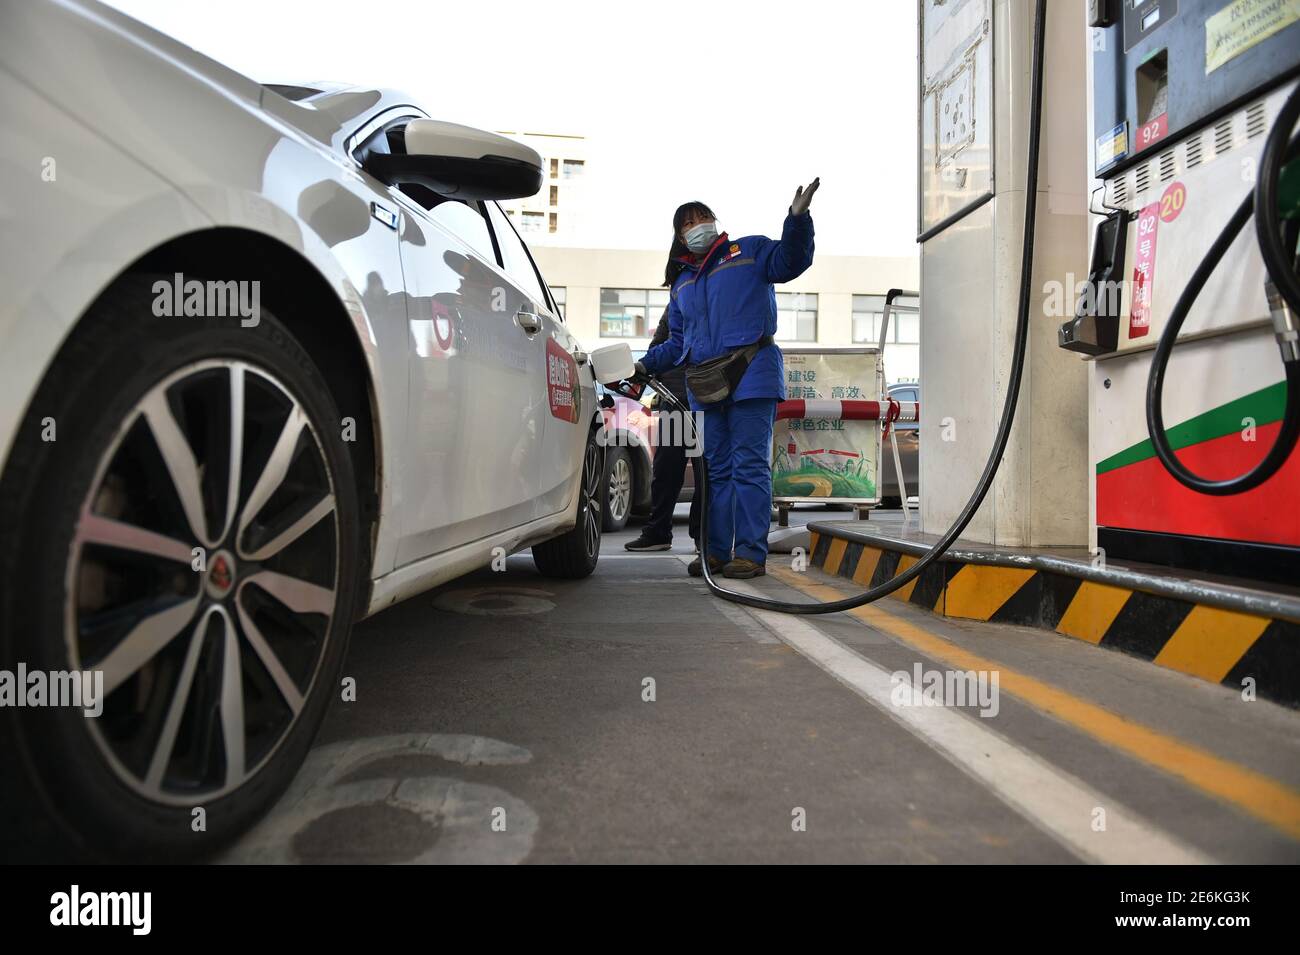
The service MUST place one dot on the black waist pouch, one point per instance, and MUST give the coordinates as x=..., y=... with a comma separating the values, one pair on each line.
x=715, y=379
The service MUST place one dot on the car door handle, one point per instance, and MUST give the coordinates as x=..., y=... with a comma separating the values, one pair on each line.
x=528, y=321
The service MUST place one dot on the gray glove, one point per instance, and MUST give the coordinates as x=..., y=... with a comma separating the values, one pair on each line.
x=803, y=197
x=640, y=371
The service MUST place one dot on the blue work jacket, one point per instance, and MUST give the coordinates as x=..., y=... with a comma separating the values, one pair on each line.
x=727, y=301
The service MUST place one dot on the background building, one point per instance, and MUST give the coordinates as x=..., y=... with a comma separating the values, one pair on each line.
x=555, y=213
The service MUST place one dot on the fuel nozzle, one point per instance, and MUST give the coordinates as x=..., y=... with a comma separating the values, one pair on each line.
x=1094, y=330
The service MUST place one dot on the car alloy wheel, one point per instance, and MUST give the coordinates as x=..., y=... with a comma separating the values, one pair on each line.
x=620, y=488
x=204, y=593
x=592, y=468
x=575, y=553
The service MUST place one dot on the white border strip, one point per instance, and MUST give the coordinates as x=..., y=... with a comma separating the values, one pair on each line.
x=1058, y=803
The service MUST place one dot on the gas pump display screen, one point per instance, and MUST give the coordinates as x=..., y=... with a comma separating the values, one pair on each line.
x=1165, y=68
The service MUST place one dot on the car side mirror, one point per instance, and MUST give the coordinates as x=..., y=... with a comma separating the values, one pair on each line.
x=460, y=162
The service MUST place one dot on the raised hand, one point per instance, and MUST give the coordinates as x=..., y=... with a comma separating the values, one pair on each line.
x=803, y=197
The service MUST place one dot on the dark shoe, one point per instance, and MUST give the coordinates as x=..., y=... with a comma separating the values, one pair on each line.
x=644, y=543
x=696, y=569
x=742, y=568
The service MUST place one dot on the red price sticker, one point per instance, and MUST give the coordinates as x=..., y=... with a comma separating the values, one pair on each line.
x=1152, y=132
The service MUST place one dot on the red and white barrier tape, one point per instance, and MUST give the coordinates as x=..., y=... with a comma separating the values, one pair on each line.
x=849, y=410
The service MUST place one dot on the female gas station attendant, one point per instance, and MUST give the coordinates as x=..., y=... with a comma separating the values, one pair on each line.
x=722, y=300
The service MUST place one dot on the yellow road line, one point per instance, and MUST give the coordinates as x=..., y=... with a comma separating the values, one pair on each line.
x=1092, y=611
x=1262, y=797
x=1210, y=641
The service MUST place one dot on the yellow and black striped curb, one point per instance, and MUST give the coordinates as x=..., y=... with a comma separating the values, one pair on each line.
x=1216, y=632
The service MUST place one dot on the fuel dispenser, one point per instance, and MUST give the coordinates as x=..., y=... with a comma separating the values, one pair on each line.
x=1193, y=412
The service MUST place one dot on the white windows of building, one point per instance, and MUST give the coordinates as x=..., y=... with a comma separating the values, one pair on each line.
x=631, y=312
x=796, y=316
x=904, y=320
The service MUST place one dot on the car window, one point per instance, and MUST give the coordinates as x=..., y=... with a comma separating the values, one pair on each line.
x=466, y=221
x=514, y=256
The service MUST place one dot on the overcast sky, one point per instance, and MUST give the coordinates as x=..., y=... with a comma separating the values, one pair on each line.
x=728, y=102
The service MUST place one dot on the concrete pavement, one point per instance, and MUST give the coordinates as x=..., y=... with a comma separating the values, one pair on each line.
x=633, y=717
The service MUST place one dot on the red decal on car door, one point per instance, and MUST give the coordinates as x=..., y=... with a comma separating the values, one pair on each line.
x=561, y=382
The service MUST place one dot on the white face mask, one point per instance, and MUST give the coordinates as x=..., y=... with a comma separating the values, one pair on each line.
x=700, y=237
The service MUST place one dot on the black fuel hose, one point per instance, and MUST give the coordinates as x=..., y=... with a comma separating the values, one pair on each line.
x=1263, y=203
x=1008, y=408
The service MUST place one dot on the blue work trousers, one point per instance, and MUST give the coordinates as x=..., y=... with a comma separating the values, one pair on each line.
x=738, y=449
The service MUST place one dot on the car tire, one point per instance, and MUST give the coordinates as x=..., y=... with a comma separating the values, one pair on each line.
x=219, y=666
x=617, y=490
x=575, y=553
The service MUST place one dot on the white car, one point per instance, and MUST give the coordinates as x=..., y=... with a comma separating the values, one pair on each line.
x=271, y=359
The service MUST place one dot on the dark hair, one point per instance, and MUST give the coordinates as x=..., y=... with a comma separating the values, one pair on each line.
x=678, y=248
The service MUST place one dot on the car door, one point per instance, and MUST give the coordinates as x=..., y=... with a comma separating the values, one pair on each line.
x=563, y=427
x=473, y=432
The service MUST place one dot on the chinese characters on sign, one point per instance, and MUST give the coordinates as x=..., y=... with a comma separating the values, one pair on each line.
x=821, y=459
